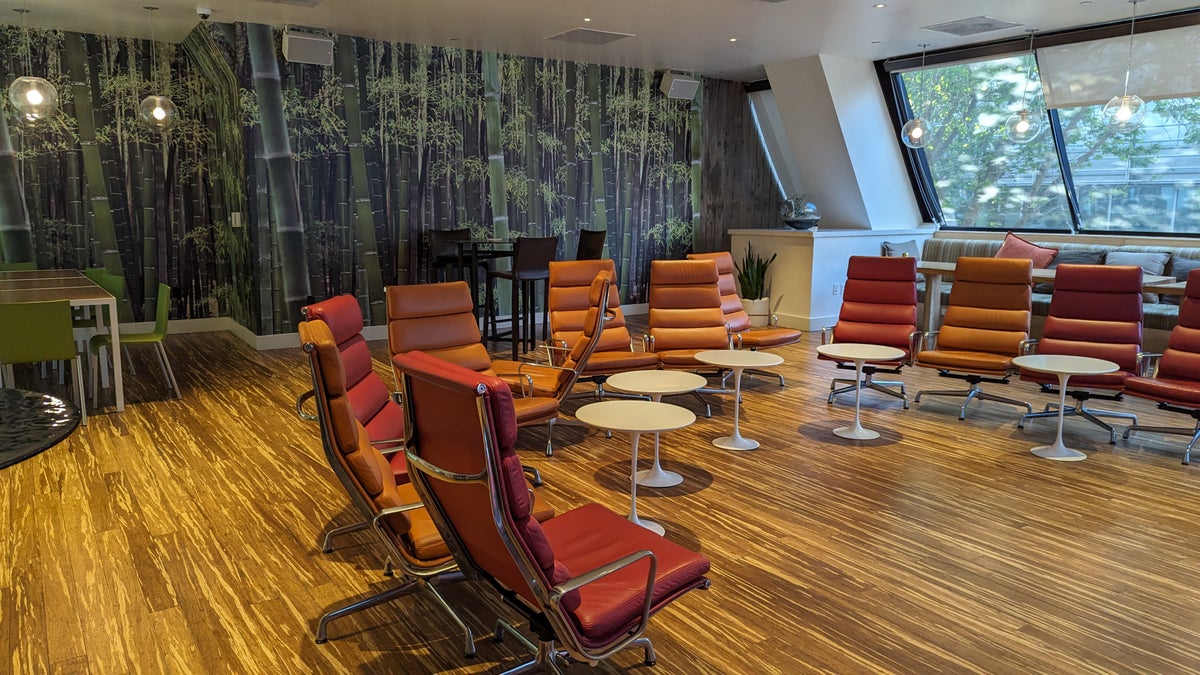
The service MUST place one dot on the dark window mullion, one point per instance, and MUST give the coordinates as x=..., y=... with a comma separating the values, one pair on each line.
x=1064, y=163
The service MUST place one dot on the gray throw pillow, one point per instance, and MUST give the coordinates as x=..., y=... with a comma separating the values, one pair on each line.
x=1151, y=263
x=1071, y=258
x=897, y=249
x=1180, y=267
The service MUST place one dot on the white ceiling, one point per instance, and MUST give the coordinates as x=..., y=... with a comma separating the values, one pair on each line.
x=688, y=35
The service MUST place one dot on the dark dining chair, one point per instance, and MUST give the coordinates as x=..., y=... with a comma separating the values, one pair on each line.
x=443, y=254
x=591, y=244
x=531, y=263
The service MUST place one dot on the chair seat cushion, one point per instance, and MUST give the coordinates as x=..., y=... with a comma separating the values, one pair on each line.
x=1184, y=393
x=534, y=409
x=546, y=381
x=591, y=536
x=427, y=544
x=769, y=337
x=619, y=361
x=971, y=362
x=681, y=358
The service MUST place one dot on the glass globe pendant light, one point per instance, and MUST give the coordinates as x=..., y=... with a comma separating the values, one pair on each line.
x=915, y=132
x=157, y=111
x=34, y=98
x=1125, y=113
x=1023, y=126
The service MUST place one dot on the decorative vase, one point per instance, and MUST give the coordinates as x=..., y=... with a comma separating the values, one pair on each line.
x=759, y=311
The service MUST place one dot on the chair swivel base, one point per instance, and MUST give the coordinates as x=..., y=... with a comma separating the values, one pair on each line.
x=548, y=658
x=867, y=382
x=752, y=371
x=407, y=588
x=1181, y=431
x=972, y=394
x=1083, y=411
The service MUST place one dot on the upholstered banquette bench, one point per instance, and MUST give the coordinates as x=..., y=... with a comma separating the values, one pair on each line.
x=1160, y=312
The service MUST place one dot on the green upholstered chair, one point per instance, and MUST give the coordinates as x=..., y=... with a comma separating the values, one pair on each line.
x=154, y=337
x=34, y=332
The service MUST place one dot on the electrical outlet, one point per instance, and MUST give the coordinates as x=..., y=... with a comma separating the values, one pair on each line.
x=837, y=289
x=235, y=219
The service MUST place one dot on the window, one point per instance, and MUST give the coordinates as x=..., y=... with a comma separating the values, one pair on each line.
x=1147, y=180
x=982, y=179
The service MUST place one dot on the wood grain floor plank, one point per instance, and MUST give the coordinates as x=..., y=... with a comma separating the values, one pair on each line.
x=181, y=536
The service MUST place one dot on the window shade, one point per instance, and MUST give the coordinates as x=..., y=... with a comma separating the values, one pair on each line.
x=1091, y=73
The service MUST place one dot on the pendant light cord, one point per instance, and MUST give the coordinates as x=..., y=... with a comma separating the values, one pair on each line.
x=153, y=48
x=924, y=46
x=25, y=37
x=1129, y=62
x=1028, y=75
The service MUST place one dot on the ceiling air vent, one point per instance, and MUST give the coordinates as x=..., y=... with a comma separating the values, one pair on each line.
x=294, y=3
x=972, y=26
x=587, y=36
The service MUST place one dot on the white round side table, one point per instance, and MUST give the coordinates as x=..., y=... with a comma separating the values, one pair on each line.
x=737, y=360
x=656, y=384
x=635, y=418
x=859, y=353
x=1064, y=366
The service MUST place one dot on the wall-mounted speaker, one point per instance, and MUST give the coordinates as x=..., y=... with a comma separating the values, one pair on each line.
x=675, y=85
x=307, y=45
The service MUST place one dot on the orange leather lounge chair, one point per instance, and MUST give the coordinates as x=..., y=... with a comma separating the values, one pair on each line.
x=588, y=581
x=393, y=511
x=437, y=319
x=1173, y=379
x=1096, y=311
x=879, y=307
x=570, y=283
x=744, y=335
x=985, y=328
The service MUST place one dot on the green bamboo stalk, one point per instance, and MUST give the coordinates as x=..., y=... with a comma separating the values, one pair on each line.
x=75, y=212
x=93, y=169
x=404, y=166
x=498, y=193
x=599, y=200
x=697, y=160
x=16, y=237
x=533, y=217
x=285, y=200
x=263, y=238
x=571, y=163
x=149, y=246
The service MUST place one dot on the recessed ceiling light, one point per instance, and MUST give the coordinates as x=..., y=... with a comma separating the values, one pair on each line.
x=587, y=19
x=879, y=5
x=733, y=39
x=1085, y=2
x=876, y=42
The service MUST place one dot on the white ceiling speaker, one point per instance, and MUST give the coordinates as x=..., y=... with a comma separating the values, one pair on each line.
x=675, y=85
x=307, y=45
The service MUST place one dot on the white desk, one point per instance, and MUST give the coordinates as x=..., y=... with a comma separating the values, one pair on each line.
x=737, y=360
x=1064, y=366
x=859, y=353
x=635, y=418
x=656, y=384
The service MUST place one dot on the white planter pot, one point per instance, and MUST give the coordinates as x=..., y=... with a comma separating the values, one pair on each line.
x=759, y=311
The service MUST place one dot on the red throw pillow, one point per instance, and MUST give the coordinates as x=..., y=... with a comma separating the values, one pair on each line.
x=1016, y=247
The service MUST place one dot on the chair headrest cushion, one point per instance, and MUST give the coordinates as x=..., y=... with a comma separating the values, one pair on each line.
x=421, y=300
x=723, y=259
x=341, y=313
x=497, y=393
x=683, y=272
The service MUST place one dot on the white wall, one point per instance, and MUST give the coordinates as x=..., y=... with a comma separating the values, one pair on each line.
x=837, y=122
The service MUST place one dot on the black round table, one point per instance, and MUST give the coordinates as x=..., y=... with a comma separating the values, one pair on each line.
x=31, y=422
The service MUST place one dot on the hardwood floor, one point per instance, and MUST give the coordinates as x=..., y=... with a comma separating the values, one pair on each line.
x=181, y=536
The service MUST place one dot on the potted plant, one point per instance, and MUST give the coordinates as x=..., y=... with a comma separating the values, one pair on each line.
x=752, y=278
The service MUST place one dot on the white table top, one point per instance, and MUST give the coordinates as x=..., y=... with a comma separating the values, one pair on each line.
x=635, y=416
x=655, y=382
x=1065, y=364
x=853, y=351
x=739, y=358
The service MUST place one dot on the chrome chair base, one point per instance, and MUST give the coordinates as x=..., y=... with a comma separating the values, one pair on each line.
x=327, y=545
x=1083, y=411
x=868, y=382
x=1180, y=431
x=976, y=393
x=387, y=596
x=548, y=658
x=752, y=371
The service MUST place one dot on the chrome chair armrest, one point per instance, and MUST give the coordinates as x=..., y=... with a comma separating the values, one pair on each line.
x=648, y=343
x=393, y=510
x=1027, y=347
x=604, y=570
x=300, y=401
x=394, y=445
x=827, y=335
x=926, y=340
x=1146, y=364
x=556, y=354
x=915, y=341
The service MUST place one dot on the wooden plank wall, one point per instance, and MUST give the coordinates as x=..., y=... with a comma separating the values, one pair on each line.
x=738, y=191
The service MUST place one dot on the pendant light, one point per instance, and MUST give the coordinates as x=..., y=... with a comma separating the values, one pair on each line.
x=34, y=98
x=159, y=112
x=1023, y=126
x=1125, y=113
x=915, y=132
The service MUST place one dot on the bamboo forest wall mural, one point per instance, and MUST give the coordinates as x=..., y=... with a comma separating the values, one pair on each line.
x=284, y=182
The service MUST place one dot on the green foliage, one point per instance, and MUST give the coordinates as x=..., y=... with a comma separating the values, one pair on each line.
x=752, y=274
